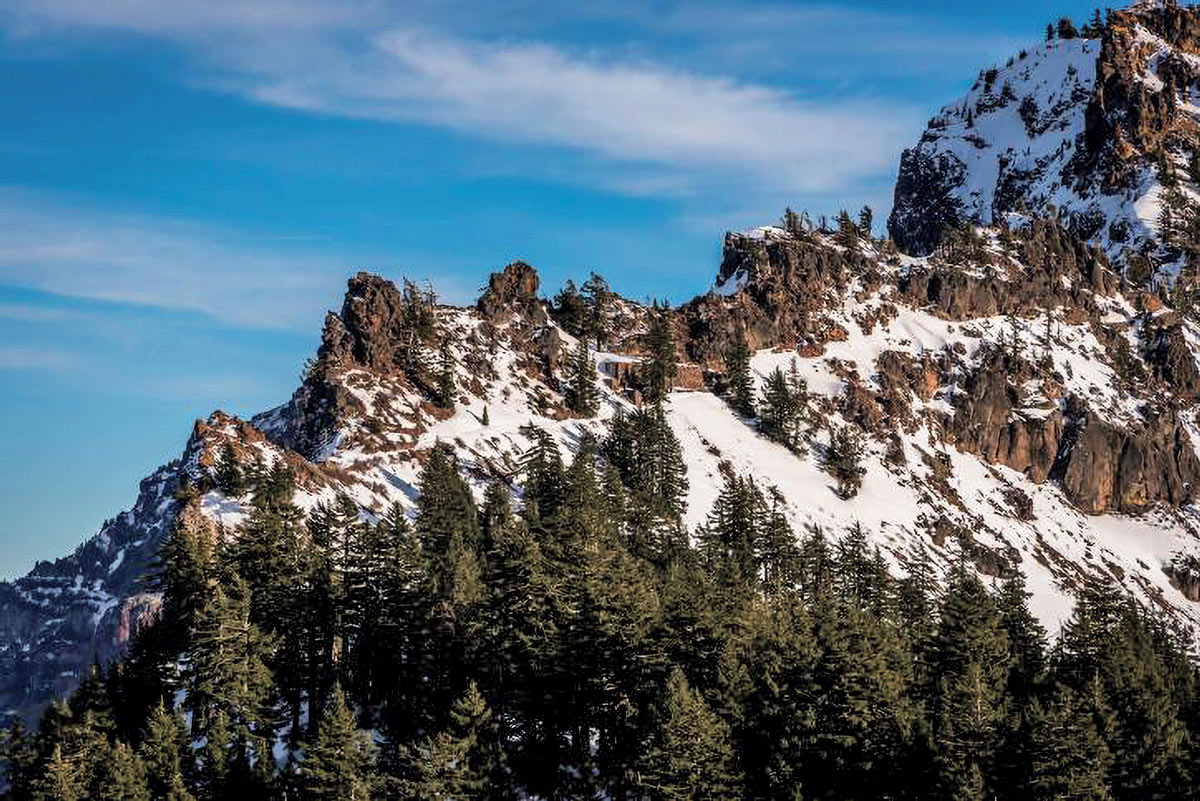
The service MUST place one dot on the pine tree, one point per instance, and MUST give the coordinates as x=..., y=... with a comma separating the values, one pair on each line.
x=446, y=516
x=163, y=750
x=337, y=762
x=1066, y=29
x=230, y=479
x=1068, y=757
x=866, y=219
x=843, y=460
x=847, y=231
x=689, y=755
x=124, y=776
x=599, y=300
x=446, y=388
x=968, y=670
x=570, y=310
x=657, y=370
x=60, y=780
x=730, y=538
x=739, y=377
x=18, y=758
x=462, y=760
x=581, y=394
x=782, y=407
x=227, y=673
x=1026, y=639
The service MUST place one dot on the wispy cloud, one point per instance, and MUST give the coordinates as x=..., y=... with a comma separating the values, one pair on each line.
x=51, y=244
x=22, y=357
x=361, y=60
x=621, y=111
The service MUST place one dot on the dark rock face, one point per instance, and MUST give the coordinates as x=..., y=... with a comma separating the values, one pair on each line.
x=1102, y=467
x=1126, y=120
x=1061, y=270
x=1165, y=349
x=65, y=615
x=370, y=325
x=988, y=424
x=789, y=281
x=924, y=203
x=1106, y=468
x=514, y=289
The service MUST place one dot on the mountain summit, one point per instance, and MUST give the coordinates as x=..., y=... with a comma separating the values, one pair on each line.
x=1100, y=127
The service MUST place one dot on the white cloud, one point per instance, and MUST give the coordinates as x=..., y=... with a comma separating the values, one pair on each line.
x=23, y=357
x=50, y=244
x=624, y=111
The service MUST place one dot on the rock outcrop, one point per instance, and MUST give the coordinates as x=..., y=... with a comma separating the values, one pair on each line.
x=1104, y=467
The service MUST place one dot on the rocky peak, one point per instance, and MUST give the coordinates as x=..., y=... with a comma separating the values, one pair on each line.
x=365, y=331
x=1097, y=131
x=513, y=289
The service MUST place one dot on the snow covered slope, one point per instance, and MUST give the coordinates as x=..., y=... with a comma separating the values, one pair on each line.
x=1009, y=426
x=1080, y=127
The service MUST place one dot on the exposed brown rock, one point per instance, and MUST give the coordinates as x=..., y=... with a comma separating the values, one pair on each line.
x=988, y=424
x=514, y=289
x=1107, y=468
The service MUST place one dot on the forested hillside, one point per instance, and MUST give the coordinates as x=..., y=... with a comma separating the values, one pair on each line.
x=582, y=647
x=869, y=518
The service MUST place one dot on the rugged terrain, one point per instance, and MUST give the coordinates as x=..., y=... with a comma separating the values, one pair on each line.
x=1025, y=403
x=1102, y=131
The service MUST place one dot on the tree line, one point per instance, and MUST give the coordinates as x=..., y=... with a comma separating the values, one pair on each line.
x=585, y=644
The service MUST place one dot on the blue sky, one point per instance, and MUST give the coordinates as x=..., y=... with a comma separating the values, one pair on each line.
x=187, y=185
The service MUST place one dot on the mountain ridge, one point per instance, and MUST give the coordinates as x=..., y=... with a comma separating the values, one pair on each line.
x=1022, y=405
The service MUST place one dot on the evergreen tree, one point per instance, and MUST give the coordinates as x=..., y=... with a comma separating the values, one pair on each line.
x=60, y=780
x=843, y=460
x=446, y=388
x=599, y=299
x=739, y=377
x=337, y=762
x=229, y=685
x=570, y=310
x=230, y=479
x=163, y=751
x=582, y=396
x=781, y=410
x=689, y=754
x=447, y=520
x=1026, y=639
x=968, y=670
x=847, y=231
x=658, y=368
x=462, y=760
x=1068, y=757
x=124, y=776
x=866, y=219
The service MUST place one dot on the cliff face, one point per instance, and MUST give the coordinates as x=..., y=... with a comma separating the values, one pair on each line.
x=1099, y=131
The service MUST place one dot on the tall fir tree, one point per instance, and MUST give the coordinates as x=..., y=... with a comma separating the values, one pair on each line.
x=658, y=368
x=582, y=395
x=739, y=377
x=337, y=761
